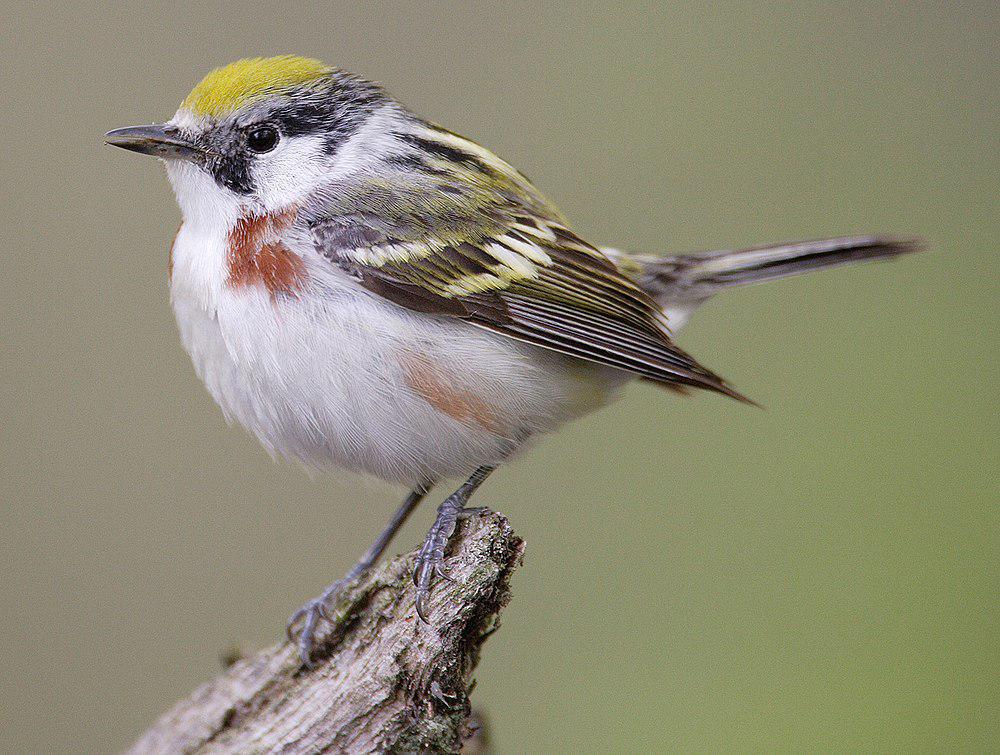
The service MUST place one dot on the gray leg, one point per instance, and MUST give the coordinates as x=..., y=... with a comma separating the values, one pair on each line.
x=430, y=560
x=310, y=614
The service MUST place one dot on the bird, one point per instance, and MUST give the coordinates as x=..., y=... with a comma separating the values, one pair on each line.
x=364, y=289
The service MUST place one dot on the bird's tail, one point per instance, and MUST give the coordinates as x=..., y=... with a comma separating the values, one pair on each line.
x=689, y=279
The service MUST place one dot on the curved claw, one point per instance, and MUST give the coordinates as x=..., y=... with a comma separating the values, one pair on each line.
x=426, y=566
x=323, y=610
x=421, y=603
x=294, y=620
x=441, y=568
x=424, y=569
x=312, y=612
x=309, y=616
x=306, y=638
x=420, y=564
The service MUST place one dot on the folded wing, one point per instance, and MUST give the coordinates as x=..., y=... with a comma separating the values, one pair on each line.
x=489, y=250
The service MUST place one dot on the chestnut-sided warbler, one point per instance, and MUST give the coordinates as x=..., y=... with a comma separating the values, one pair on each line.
x=362, y=288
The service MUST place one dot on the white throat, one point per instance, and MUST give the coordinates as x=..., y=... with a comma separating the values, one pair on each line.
x=204, y=203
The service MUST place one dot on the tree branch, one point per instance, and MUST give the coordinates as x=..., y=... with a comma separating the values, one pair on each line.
x=383, y=681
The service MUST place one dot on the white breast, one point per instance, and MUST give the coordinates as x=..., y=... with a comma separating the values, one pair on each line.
x=339, y=376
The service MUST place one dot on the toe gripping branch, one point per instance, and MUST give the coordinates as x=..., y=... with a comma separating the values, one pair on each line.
x=305, y=624
x=430, y=560
x=381, y=675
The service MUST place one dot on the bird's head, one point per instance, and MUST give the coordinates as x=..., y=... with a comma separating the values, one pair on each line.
x=260, y=134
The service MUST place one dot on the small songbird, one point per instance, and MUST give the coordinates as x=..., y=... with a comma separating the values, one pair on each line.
x=362, y=288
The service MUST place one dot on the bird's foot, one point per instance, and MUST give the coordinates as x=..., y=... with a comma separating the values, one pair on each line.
x=430, y=560
x=306, y=620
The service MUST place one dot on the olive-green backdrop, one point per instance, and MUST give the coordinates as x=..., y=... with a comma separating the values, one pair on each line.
x=700, y=575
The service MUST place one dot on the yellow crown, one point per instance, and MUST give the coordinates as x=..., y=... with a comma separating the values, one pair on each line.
x=229, y=88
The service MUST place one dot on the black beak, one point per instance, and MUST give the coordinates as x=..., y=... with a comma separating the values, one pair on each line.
x=159, y=140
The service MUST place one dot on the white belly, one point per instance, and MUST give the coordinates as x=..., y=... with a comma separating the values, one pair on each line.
x=328, y=377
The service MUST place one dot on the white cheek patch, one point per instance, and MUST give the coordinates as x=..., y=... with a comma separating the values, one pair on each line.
x=287, y=175
x=291, y=172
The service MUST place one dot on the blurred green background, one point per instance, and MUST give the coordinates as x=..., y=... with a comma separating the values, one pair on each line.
x=700, y=576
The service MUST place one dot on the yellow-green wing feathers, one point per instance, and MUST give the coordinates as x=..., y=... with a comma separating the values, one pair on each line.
x=483, y=245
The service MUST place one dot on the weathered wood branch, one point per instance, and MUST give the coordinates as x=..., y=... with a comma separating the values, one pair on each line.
x=383, y=680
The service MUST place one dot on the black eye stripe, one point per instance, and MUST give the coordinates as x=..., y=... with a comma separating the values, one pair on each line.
x=332, y=109
x=262, y=138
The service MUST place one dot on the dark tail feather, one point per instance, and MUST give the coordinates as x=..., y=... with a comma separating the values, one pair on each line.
x=695, y=277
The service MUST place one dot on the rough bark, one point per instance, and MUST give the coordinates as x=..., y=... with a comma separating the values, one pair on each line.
x=383, y=680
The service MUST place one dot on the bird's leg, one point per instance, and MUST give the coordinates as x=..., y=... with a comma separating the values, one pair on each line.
x=314, y=610
x=430, y=560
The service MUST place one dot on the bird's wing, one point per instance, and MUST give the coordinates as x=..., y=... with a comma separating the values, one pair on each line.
x=504, y=261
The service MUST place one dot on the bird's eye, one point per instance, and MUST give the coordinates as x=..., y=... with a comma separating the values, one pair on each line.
x=263, y=139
